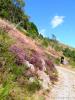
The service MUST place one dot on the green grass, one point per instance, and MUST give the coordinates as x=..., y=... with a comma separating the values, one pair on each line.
x=57, y=61
x=22, y=30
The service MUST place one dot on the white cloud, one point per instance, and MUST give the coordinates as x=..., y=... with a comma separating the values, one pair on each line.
x=42, y=31
x=56, y=21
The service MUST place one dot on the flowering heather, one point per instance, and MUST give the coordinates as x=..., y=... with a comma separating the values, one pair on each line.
x=51, y=70
x=36, y=61
x=19, y=52
x=34, y=58
x=49, y=63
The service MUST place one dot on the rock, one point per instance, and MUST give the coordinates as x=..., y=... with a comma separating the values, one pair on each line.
x=32, y=79
x=43, y=64
x=44, y=79
x=30, y=66
x=28, y=73
x=30, y=70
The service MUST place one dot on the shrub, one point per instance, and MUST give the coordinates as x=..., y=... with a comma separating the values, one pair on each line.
x=19, y=53
x=58, y=48
x=34, y=86
x=57, y=61
x=72, y=63
x=35, y=60
x=51, y=70
x=45, y=43
x=67, y=52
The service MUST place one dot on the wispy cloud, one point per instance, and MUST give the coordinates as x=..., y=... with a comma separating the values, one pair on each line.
x=42, y=31
x=56, y=21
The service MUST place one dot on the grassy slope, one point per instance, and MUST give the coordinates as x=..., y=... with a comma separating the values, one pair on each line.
x=13, y=84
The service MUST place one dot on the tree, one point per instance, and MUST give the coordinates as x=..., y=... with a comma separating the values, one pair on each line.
x=19, y=3
x=32, y=30
x=12, y=10
x=53, y=37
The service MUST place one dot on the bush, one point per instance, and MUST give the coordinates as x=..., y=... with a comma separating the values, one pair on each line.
x=58, y=48
x=72, y=63
x=51, y=70
x=57, y=61
x=19, y=54
x=45, y=43
x=35, y=59
x=34, y=86
x=69, y=53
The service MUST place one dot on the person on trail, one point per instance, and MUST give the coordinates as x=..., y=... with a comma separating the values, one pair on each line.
x=62, y=60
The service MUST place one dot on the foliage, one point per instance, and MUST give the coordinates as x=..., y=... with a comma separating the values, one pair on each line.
x=53, y=37
x=57, y=47
x=19, y=54
x=69, y=53
x=32, y=30
x=12, y=11
x=45, y=42
x=72, y=63
x=19, y=3
x=34, y=86
x=51, y=70
x=10, y=72
x=41, y=36
x=57, y=61
x=35, y=60
x=33, y=27
x=4, y=91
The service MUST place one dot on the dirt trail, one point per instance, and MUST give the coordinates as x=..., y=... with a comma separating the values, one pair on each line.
x=65, y=88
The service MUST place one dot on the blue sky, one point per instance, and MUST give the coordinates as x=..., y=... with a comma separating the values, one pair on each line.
x=54, y=17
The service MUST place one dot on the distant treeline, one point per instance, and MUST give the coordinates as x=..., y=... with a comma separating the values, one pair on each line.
x=13, y=10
